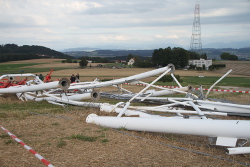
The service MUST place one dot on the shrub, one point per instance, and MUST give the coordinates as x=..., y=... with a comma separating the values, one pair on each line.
x=169, y=78
x=216, y=66
x=199, y=68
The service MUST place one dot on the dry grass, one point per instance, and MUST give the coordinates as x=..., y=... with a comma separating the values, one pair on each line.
x=50, y=61
x=51, y=137
x=99, y=72
x=54, y=135
x=124, y=72
x=238, y=67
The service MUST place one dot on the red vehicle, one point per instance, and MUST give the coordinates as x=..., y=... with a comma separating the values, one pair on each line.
x=48, y=77
x=12, y=82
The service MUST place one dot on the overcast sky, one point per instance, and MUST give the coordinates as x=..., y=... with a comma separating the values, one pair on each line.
x=147, y=24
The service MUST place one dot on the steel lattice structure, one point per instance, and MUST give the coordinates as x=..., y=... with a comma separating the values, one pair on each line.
x=196, y=45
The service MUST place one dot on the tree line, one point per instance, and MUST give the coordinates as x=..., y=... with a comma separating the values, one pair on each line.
x=162, y=57
x=13, y=52
x=228, y=56
x=17, y=56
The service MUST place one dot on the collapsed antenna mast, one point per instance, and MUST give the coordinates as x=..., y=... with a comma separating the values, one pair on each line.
x=196, y=45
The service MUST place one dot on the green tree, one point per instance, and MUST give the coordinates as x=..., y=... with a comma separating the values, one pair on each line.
x=83, y=62
x=137, y=60
x=180, y=57
x=162, y=57
x=69, y=60
x=233, y=57
x=193, y=55
x=228, y=56
x=129, y=57
x=204, y=56
x=225, y=56
x=177, y=56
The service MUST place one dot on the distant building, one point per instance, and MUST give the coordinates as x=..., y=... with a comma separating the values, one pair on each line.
x=200, y=63
x=131, y=61
x=44, y=56
x=119, y=61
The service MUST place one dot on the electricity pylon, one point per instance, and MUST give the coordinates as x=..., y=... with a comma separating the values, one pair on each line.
x=195, y=44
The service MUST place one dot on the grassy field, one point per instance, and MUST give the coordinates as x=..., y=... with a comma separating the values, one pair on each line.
x=227, y=81
x=62, y=136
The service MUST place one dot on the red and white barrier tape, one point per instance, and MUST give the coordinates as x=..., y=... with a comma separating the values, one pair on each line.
x=28, y=148
x=221, y=90
x=217, y=90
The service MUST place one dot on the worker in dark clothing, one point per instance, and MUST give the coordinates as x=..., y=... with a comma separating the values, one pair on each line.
x=72, y=78
x=41, y=77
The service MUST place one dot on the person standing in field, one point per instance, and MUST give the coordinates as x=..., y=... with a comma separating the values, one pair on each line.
x=78, y=76
x=72, y=78
x=41, y=77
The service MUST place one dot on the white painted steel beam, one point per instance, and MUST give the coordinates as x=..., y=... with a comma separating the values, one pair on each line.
x=217, y=82
x=74, y=97
x=239, y=150
x=153, y=93
x=123, y=80
x=17, y=75
x=169, y=110
x=224, y=107
x=62, y=83
x=213, y=128
x=29, y=88
x=170, y=67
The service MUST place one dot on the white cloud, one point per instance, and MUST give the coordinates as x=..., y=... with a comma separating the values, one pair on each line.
x=113, y=38
x=79, y=6
x=167, y=37
x=125, y=22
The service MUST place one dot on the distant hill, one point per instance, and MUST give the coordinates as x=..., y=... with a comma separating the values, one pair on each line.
x=110, y=53
x=242, y=53
x=212, y=53
x=231, y=44
x=10, y=52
